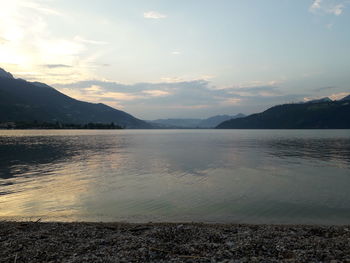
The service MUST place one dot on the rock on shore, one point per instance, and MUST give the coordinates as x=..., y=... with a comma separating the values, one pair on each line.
x=170, y=242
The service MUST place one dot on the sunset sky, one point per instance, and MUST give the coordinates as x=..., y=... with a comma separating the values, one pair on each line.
x=180, y=58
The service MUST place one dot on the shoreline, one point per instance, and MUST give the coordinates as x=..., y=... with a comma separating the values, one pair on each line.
x=172, y=242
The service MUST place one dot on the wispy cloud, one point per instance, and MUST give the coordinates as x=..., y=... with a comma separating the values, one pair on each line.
x=157, y=93
x=180, y=79
x=153, y=15
x=263, y=91
x=56, y=66
x=39, y=7
x=94, y=89
x=328, y=7
x=324, y=88
x=89, y=41
x=231, y=101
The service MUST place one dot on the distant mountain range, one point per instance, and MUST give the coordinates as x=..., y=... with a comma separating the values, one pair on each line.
x=211, y=122
x=317, y=114
x=22, y=100
x=326, y=99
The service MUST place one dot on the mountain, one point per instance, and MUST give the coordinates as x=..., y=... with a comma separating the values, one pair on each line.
x=321, y=115
x=5, y=74
x=21, y=100
x=176, y=123
x=345, y=98
x=211, y=122
x=216, y=120
x=326, y=99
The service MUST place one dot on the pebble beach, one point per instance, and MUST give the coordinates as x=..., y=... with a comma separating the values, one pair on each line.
x=171, y=242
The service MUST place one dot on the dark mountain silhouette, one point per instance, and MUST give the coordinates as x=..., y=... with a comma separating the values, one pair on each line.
x=21, y=100
x=345, y=98
x=214, y=121
x=325, y=99
x=5, y=74
x=321, y=115
x=211, y=122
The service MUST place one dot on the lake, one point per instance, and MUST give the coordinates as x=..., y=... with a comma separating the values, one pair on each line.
x=236, y=176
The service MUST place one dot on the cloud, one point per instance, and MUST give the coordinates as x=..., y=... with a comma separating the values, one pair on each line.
x=37, y=6
x=56, y=66
x=187, y=79
x=89, y=41
x=157, y=93
x=175, y=52
x=256, y=83
x=153, y=15
x=119, y=96
x=187, y=94
x=315, y=5
x=94, y=89
x=253, y=91
x=31, y=46
x=328, y=7
x=231, y=101
x=336, y=10
x=324, y=88
x=338, y=96
x=195, y=98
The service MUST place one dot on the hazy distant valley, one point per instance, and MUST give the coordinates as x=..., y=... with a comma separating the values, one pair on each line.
x=211, y=122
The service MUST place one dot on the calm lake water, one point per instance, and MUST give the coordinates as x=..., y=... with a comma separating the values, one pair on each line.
x=250, y=176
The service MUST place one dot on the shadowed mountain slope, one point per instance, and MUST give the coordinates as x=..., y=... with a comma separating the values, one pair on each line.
x=321, y=115
x=21, y=100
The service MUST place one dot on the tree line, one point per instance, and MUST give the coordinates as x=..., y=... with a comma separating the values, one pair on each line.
x=57, y=125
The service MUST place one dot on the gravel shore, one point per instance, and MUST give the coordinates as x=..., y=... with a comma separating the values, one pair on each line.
x=171, y=242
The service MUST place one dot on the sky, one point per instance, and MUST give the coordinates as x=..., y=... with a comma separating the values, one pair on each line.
x=181, y=58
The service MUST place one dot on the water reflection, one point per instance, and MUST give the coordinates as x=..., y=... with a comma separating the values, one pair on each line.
x=328, y=149
x=19, y=157
x=248, y=176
